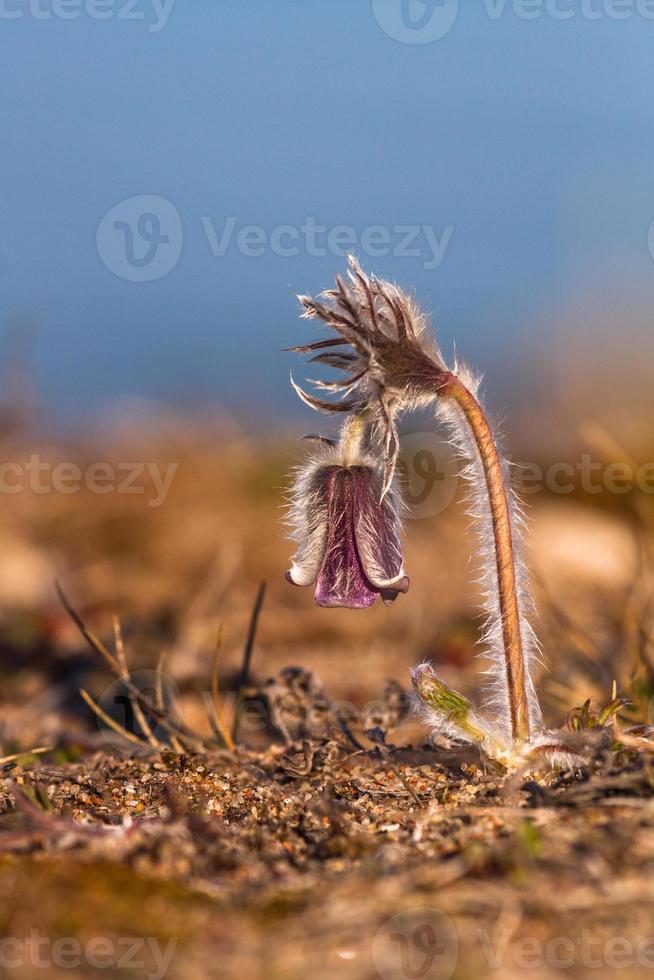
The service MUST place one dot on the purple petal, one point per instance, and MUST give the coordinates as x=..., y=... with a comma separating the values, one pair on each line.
x=377, y=530
x=342, y=581
x=350, y=546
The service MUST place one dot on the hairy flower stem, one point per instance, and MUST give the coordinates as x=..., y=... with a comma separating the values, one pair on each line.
x=498, y=499
x=355, y=434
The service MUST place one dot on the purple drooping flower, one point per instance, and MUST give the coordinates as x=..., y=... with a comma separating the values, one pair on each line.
x=349, y=536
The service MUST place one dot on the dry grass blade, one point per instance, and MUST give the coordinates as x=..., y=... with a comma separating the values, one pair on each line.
x=108, y=720
x=93, y=641
x=134, y=701
x=198, y=618
x=182, y=735
x=6, y=759
x=247, y=653
x=252, y=632
x=160, y=703
x=216, y=710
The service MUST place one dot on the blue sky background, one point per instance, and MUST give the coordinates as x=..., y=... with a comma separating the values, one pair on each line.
x=532, y=139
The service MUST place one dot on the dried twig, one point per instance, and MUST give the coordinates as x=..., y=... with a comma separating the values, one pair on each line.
x=215, y=710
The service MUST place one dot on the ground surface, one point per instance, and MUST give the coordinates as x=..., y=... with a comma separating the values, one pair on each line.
x=269, y=865
x=334, y=840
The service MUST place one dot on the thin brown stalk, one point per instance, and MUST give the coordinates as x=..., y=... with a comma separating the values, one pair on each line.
x=218, y=723
x=159, y=701
x=504, y=552
x=247, y=654
x=134, y=701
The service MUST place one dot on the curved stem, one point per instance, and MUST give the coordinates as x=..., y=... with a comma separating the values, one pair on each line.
x=498, y=500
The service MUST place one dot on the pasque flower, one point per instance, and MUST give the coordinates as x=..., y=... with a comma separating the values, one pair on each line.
x=348, y=535
x=344, y=505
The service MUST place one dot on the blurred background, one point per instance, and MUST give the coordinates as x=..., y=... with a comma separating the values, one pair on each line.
x=498, y=160
x=172, y=175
